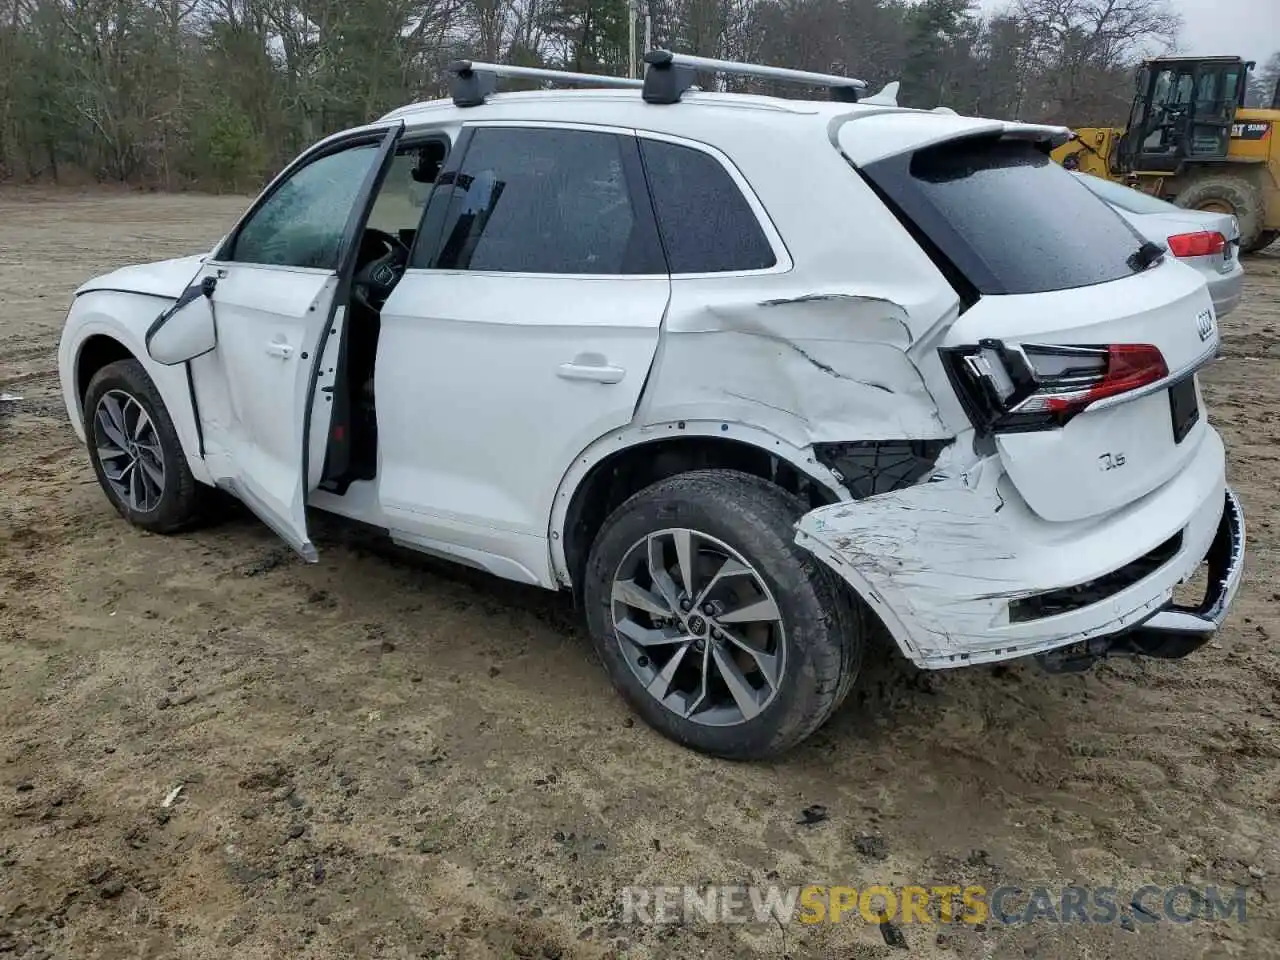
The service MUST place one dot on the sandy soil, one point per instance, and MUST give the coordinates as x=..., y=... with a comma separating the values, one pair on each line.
x=386, y=758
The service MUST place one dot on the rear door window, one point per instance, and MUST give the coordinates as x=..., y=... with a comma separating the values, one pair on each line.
x=1006, y=217
x=541, y=200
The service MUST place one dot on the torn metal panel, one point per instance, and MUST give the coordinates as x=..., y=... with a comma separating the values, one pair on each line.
x=819, y=366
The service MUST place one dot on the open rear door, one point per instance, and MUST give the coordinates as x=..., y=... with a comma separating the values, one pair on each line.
x=277, y=323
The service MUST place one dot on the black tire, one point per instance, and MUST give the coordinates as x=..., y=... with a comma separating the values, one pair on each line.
x=1244, y=199
x=178, y=505
x=822, y=630
x=1265, y=239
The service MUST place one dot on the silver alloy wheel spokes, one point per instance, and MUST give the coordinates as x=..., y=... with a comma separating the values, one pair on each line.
x=128, y=449
x=699, y=627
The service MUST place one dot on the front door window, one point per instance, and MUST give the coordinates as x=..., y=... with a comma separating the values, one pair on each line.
x=303, y=221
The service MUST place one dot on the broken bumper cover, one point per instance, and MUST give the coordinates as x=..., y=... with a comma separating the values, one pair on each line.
x=944, y=564
x=1175, y=631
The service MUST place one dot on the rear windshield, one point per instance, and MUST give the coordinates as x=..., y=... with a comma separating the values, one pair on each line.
x=1126, y=198
x=1005, y=217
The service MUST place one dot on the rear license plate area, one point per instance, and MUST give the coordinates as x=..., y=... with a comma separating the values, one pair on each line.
x=1184, y=407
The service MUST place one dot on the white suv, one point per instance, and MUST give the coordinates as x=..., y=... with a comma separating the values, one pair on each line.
x=745, y=374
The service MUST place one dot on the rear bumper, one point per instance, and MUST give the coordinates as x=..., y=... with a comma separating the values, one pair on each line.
x=1226, y=290
x=944, y=564
x=1174, y=631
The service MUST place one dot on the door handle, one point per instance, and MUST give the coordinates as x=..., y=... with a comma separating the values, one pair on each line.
x=277, y=348
x=591, y=367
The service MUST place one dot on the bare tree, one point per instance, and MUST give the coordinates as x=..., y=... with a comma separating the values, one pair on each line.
x=1080, y=49
x=1264, y=83
x=221, y=93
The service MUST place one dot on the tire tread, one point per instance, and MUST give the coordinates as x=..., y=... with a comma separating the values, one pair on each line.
x=181, y=504
x=750, y=503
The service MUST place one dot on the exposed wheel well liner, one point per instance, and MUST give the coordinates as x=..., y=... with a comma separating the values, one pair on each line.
x=95, y=353
x=616, y=478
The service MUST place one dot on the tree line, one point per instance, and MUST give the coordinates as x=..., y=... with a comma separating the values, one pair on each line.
x=219, y=94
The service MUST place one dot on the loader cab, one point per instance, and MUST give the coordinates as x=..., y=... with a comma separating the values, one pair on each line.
x=1183, y=108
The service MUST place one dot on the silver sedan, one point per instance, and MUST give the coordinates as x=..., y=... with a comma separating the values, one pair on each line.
x=1208, y=241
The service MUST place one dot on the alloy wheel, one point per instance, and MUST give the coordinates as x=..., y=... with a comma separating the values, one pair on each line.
x=129, y=451
x=698, y=627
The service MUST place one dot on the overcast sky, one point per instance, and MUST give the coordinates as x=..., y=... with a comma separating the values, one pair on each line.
x=1250, y=28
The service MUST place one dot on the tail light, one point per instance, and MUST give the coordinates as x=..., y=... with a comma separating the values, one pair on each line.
x=1027, y=386
x=1203, y=244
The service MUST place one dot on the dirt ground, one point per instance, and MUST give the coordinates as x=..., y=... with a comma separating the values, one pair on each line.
x=382, y=757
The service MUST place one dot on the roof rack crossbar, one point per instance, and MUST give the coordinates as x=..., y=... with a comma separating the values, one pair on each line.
x=669, y=75
x=471, y=81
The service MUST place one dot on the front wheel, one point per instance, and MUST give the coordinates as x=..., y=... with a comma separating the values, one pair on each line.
x=135, y=450
x=720, y=631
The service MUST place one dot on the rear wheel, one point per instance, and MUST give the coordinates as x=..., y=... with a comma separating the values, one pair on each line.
x=720, y=631
x=1265, y=239
x=1223, y=193
x=135, y=450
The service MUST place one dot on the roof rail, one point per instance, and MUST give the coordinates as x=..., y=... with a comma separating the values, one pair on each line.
x=472, y=81
x=669, y=75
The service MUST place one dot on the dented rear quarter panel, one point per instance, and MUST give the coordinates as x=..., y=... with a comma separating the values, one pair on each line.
x=837, y=343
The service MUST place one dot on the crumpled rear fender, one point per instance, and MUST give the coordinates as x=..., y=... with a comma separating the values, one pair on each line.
x=824, y=366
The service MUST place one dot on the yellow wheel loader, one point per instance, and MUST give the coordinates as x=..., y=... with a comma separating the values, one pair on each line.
x=1191, y=141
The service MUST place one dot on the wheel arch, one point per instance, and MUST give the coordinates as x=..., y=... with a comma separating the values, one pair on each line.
x=96, y=339
x=621, y=463
x=95, y=352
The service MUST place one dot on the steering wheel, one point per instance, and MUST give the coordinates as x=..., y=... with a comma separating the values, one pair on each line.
x=374, y=282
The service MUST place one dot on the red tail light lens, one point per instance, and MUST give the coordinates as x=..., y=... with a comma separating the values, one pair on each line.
x=1203, y=244
x=1128, y=367
x=1038, y=386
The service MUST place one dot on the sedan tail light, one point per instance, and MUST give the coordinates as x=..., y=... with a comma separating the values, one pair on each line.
x=1202, y=244
x=1022, y=387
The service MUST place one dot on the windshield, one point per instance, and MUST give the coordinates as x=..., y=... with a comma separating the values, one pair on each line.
x=1005, y=217
x=1126, y=198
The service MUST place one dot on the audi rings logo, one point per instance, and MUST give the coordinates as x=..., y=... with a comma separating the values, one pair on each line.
x=1204, y=324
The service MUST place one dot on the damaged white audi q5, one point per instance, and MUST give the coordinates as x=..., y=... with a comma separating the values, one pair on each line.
x=745, y=374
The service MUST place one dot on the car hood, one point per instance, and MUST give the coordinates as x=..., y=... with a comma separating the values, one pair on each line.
x=164, y=278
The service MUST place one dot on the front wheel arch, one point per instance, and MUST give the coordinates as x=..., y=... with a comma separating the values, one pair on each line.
x=100, y=334
x=94, y=353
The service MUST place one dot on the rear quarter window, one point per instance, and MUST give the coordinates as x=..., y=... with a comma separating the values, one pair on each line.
x=705, y=222
x=1006, y=217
